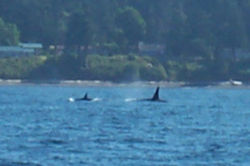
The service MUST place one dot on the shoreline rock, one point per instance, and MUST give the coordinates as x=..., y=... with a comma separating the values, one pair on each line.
x=96, y=83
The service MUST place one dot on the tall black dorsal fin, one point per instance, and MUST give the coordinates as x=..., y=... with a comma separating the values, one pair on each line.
x=156, y=94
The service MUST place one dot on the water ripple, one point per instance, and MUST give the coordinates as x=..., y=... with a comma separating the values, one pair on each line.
x=200, y=127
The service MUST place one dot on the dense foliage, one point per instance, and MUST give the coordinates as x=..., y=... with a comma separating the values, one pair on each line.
x=9, y=35
x=186, y=27
x=19, y=68
x=94, y=67
x=120, y=68
x=194, y=32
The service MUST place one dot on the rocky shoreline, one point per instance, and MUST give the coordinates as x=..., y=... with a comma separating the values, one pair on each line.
x=168, y=84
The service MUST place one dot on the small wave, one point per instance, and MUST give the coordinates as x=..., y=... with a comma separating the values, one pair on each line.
x=130, y=99
x=17, y=163
x=53, y=141
x=215, y=106
x=134, y=140
x=215, y=147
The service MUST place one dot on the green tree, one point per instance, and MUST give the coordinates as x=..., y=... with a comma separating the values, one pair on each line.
x=131, y=26
x=79, y=32
x=9, y=34
x=187, y=27
x=177, y=35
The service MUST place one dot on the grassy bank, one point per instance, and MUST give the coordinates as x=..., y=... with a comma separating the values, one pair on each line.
x=124, y=68
x=121, y=68
x=20, y=68
x=91, y=67
x=208, y=70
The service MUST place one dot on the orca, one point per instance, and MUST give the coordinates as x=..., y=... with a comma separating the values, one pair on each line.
x=155, y=97
x=85, y=98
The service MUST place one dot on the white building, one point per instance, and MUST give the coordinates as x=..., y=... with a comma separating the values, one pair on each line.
x=10, y=51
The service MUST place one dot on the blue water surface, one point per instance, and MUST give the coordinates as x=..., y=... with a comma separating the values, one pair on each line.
x=197, y=126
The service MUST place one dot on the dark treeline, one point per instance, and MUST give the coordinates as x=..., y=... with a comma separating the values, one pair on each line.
x=195, y=34
x=185, y=27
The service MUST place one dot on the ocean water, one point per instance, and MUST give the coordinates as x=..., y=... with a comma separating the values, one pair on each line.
x=197, y=126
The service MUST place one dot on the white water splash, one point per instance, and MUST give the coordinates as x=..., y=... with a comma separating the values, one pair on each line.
x=96, y=99
x=130, y=99
x=71, y=99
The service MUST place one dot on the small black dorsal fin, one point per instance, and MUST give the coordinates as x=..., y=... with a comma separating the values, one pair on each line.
x=85, y=96
x=156, y=94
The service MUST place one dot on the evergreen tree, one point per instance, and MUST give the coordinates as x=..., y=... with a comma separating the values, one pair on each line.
x=131, y=25
x=9, y=34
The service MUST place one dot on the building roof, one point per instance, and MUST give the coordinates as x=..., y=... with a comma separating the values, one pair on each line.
x=31, y=45
x=15, y=49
